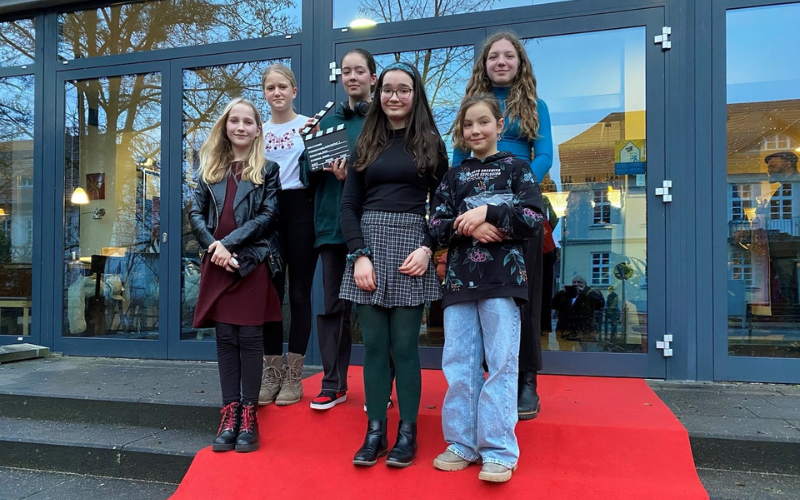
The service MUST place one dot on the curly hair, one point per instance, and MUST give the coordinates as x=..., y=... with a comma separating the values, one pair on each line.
x=521, y=102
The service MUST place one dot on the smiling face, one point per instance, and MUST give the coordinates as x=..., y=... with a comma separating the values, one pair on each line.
x=242, y=129
x=279, y=92
x=356, y=77
x=397, y=97
x=502, y=63
x=481, y=130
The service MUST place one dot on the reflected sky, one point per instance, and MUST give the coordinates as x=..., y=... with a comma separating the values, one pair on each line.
x=763, y=62
x=345, y=11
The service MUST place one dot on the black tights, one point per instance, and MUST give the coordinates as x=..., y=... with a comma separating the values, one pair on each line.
x=239, y=351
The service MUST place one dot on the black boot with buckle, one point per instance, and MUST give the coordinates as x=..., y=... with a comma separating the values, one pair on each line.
x=228, y=428
x=405, y=449
x=375, y=444
x=248, y=430
x=528, y=405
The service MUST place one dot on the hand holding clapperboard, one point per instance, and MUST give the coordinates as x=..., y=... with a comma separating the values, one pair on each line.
x=326, y=145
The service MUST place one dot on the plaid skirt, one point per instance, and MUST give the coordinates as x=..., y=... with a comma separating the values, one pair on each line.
x=391, y=237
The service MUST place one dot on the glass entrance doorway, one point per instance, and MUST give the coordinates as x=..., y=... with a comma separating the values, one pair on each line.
x=605, y=265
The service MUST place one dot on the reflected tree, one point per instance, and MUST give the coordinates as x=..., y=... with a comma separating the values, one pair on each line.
x=387, y=11
x=17, y=42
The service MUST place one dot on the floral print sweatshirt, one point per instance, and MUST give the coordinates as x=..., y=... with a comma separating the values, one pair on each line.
x=475, y=270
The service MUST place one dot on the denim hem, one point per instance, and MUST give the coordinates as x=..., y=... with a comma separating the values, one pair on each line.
x=499, y=462
x=454, y=448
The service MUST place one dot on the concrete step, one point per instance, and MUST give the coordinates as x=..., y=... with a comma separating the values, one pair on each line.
x=100, y=449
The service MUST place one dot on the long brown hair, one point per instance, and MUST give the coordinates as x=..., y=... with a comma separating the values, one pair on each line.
x=422, y=136
x=521, y=101
x=216, y=154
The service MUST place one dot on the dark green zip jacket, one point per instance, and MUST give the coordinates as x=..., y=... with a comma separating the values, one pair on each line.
x=326, y=188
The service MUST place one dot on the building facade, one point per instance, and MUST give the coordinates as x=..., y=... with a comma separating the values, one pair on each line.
x=676, y=131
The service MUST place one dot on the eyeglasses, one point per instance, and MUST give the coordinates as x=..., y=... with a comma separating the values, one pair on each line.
x=402, y=93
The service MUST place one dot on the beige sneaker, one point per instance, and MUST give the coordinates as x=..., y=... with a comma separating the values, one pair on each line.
x=270, y=379
x=495, y=473
x=449, y=461
x=292, y=382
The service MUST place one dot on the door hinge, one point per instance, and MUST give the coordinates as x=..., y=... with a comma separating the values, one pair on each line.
x=334, y=71
x=665, y=345
x=663, y=191
x=163, y=237
x=663, y=38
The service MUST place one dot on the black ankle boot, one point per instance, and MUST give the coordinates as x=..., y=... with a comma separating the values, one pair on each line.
x=375, y=444
x=527, y=399
x=228, y=428
x=247, y=440
x=405, y=449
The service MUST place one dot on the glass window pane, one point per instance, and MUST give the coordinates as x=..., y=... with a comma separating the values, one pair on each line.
x=16, y=204
x=206, y=92
x=596, y=188
x=112, y=206
x=763, y=144
x=163, y=24
x=345, y=12
x=17, y=42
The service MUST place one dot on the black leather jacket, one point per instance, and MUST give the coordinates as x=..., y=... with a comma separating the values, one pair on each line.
x=255, y=210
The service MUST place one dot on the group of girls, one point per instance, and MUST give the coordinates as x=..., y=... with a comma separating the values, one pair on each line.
x=375, y=220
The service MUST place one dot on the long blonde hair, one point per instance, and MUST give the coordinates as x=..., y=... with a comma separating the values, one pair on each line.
x=216, y=154
x=521, y=101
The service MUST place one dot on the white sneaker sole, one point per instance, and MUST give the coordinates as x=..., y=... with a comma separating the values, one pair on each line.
x=328, y=406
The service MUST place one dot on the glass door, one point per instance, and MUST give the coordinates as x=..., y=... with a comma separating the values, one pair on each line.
x=757, y=188
x=203, y=86
x=602, y=78
x=110, y=151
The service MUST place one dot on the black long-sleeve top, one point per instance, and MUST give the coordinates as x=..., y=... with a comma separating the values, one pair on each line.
x=390, y=184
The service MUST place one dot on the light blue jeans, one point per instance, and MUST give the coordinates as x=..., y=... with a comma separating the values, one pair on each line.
x=479, y=414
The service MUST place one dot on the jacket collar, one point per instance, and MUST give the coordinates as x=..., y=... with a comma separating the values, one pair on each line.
x=489, y=159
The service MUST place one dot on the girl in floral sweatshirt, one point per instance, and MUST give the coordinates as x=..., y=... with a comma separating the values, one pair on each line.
x=483, y=211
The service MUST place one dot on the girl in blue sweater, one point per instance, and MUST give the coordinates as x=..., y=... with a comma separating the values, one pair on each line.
x=503, y=69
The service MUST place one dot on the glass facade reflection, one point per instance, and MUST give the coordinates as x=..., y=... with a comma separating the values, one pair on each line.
x=17, y=42
x=112, y=206
x=389, y=11
x=206, y=92
x=163, y=24
x=16, y=204
x=763, y=188
x=596, y=270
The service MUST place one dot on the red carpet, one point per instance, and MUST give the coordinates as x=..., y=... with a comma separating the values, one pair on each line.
x=597, y=438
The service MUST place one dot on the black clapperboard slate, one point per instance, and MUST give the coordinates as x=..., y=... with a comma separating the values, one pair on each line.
x=326, y=145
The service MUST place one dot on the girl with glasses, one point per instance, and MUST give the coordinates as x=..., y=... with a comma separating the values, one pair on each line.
x=397, y=164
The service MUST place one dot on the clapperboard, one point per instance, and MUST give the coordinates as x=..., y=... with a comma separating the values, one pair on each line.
x=326, y=145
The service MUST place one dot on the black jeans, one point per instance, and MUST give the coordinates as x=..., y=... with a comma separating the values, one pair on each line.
x=530, y=343
x=333, y=324
x=239, y=351
x=297, y=238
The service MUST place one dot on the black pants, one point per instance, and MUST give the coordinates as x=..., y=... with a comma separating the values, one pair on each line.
x=548, y=270
x=239, y=351
x=297, y=237
x=333, y=325
x=530, y=344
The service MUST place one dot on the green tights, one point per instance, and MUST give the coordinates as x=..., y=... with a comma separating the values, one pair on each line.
x=395, y=329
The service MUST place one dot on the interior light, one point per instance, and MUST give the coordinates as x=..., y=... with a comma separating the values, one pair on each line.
x=362, y=23
x=79, y=197
x=2, y=212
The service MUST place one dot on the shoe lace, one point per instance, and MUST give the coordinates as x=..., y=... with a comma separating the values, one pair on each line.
x=228, y=422
x=248, y=418
x=272, y=373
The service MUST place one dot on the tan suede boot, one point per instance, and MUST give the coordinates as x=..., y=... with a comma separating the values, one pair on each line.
x=292, y=382
x=270, y=379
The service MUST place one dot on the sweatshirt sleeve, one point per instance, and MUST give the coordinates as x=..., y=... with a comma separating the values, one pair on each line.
x=352, y=206
x=443, y=213
x=441, y=171
x=521, y=220
x=543, y=145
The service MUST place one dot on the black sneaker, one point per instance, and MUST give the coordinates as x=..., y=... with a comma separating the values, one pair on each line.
x=328, y=399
